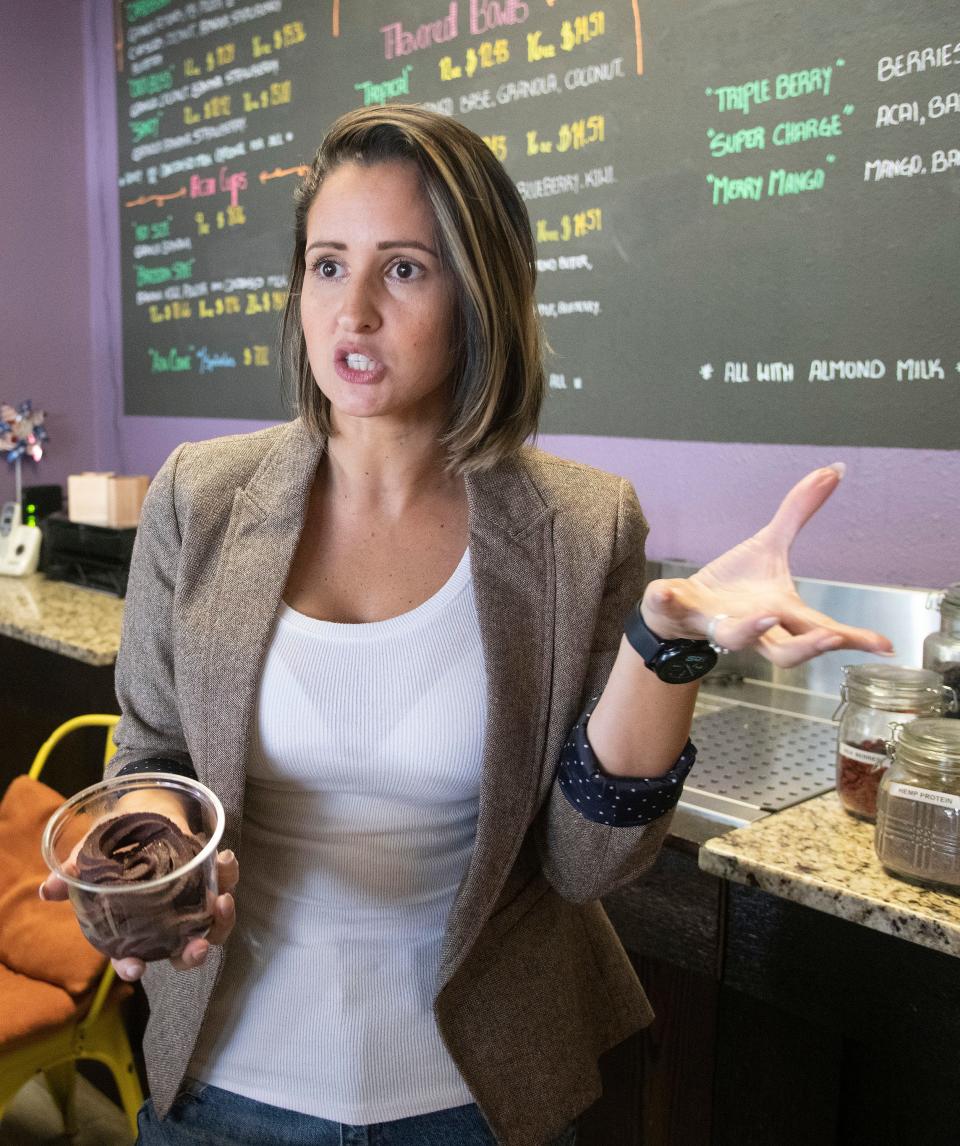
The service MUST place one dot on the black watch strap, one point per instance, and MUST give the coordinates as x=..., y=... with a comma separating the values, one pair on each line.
x=675, y=661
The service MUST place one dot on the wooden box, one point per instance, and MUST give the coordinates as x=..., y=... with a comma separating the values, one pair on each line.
x=106, y=499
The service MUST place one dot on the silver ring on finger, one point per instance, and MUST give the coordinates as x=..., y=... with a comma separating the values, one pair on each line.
x=712, y=633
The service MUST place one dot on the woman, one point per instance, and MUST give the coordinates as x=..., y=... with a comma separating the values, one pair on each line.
x=378, y=633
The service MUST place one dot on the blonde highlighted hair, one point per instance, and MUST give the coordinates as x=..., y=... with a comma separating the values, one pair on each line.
x=485, y=242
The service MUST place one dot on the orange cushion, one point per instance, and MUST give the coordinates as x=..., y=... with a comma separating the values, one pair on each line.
x=29, y=1008
x=40, y=940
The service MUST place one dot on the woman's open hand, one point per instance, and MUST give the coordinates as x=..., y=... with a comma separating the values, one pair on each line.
x=748, y=593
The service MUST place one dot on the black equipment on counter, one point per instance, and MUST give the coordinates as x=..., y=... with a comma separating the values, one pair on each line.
x=39, y=501
x=94, y=556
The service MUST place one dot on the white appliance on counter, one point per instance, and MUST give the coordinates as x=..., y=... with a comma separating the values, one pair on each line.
x=19, y=543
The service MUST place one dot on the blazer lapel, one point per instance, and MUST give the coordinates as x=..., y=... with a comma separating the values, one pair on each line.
x=260, y=540
x=512, y=562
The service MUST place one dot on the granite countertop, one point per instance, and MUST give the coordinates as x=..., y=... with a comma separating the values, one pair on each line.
x=66, y=619
x=817, y=855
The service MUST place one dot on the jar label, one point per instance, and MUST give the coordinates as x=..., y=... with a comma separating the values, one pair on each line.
x=925, y=796
x=863, y=756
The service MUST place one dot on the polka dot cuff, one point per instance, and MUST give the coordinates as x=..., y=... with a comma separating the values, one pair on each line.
x=622, y=801
x=158, y=764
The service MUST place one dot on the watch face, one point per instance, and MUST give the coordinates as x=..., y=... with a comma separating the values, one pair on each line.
x=680, y=666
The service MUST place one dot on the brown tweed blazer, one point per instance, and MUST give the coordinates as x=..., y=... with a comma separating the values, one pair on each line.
x=533, y=983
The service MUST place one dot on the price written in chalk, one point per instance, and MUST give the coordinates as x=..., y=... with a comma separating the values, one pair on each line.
x=570, y=136
x=573, y=34
x=253, y=303
x=218, y=307
x=220, y=56
x=264, y=301
x=498, y=145
x=214, y=108
x=575, y=226
x=487, y=54
x=581, y=30
x=169, y=311
x=231, y=216
x=275, y=95
x=256, y=355
x=285, y=36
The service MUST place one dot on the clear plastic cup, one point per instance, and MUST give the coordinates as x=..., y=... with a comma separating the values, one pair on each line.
x=151, y=918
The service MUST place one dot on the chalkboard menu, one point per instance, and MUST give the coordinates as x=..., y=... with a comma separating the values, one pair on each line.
x=747, y=213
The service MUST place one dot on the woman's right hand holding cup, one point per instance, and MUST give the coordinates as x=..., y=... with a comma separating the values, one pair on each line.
x=130, y=968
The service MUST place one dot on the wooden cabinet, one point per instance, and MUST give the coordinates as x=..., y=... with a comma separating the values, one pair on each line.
x=777, y=1025
x=830, y=1032
x=40, y=690
x=658, y=1085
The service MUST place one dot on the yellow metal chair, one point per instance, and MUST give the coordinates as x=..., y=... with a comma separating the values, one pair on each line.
x=95, y=1033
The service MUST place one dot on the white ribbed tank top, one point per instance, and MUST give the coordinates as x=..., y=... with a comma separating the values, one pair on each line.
x=358, y=824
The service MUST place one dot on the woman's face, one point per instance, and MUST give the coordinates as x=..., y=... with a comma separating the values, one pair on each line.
x=377, y=306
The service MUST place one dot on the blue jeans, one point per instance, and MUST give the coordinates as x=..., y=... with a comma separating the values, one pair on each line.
x=204, y=1115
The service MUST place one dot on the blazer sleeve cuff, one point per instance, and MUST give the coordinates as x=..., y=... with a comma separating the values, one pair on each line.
x=621, y=801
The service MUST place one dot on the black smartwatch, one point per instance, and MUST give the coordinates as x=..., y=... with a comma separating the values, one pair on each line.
x=675, y=661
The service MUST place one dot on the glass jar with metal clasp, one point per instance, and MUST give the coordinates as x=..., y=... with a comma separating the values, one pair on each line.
x=874, y=697
x=918, y=804
x=941, y=649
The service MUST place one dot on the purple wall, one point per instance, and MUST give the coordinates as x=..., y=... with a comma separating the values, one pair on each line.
x=894, y=521
x=44, y=300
